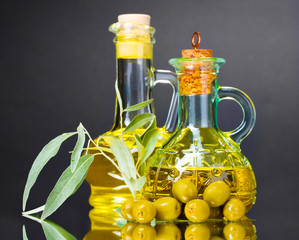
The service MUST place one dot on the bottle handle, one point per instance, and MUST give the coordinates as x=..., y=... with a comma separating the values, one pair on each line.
x=168, y=77
x=248, y=109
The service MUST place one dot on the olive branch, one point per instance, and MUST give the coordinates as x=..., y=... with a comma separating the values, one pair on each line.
x=74, y=175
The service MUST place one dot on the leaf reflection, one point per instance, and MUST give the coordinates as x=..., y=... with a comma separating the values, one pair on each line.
x=51, y=230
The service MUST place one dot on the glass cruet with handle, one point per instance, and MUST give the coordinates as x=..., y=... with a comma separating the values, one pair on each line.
x=198, y=150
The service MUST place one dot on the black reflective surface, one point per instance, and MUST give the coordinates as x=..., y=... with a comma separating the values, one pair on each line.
x=121, y=229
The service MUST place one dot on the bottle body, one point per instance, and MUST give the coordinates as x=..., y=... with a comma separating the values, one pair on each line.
x=135, y=76
x=108, y=190
x=204, y=156
x=199, y=150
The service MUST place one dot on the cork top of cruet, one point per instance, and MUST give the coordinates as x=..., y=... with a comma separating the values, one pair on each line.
x=195, y=52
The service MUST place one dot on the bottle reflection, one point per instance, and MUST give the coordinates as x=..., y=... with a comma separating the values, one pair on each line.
x=103, y=226
x=209, y=230
x=112, y=230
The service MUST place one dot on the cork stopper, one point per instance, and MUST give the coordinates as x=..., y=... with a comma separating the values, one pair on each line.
x=196, y=53
x=196, y=77
x=135, y=18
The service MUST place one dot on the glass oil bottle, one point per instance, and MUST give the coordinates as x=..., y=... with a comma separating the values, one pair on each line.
x=199, y=150
x=135, y=79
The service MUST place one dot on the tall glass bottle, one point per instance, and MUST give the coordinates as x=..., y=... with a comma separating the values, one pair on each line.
x=135, y=78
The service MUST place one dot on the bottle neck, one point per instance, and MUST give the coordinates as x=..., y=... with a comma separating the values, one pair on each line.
x=197, y=111
x=134, y=78
x=134, y=54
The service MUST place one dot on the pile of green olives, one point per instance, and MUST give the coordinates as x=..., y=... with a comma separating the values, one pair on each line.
x=215, y=204
x=142, y=211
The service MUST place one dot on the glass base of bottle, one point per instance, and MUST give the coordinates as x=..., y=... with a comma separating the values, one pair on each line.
x=106, y=199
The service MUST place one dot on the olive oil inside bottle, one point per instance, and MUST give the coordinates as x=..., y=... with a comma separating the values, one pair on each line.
x=204, y=156
x=239, y=179
x=108, y=190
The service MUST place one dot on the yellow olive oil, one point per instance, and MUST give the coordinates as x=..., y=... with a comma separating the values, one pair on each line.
x=240, y=180
x=203, y=155
x=108, y=190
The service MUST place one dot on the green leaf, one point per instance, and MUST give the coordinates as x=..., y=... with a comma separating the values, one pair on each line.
x=116, y=176
x=49, y=151
x=78, y=147
x=24, y=233
x=140, y=147
x=123, y=156
x=139, y=121
x=149, y=142
x=36, y=210
x=55, y=232
x=104, y=149
x=34, y=218
x=120, y=103
x=153, y=223
x=66, y=185
x=118, y=210
x=128, y=183
x=142, y=169
x=121, y=223
x=150, y=127
x=138, y=183
x=52, y=231
x=138, y=106
x=80, y=183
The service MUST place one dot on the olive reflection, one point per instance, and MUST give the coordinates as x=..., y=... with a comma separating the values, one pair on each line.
x=168, y=231
x=197, y=232
x=209, y=230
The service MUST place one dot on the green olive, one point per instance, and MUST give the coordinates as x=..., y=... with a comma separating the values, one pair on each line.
x=126, y=209
x=216, y=194
x=168, y=208
x=144, y=232
x=168, y=231
x=144, y=211
x=234, y=231
x=127, y=231
x=197, y=210
x=197, y=232
x=234, y=209
x=184, y=190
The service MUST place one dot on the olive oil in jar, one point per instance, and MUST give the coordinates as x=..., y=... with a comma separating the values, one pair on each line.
x=241, y=181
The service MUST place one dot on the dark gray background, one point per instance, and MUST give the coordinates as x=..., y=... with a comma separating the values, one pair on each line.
x=57, y=65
